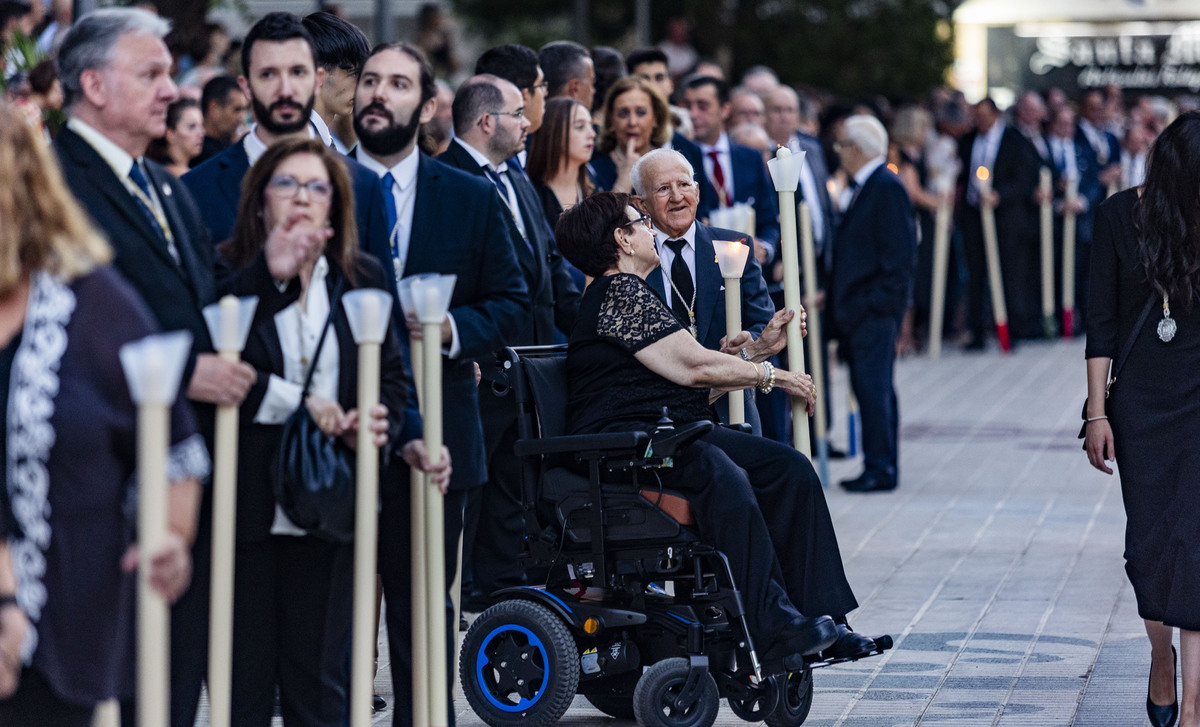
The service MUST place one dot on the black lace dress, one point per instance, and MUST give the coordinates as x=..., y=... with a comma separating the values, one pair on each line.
x=609, y=389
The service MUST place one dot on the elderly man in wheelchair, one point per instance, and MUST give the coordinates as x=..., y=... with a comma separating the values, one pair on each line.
x=684, y=561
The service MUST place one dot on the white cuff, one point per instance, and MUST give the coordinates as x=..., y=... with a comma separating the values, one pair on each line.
x=189, y=460
x=455, y=345
x=282, y=398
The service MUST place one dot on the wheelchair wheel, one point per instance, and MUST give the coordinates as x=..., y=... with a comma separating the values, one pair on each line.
x=519, y=665
x=795, y=699
x=654, y=697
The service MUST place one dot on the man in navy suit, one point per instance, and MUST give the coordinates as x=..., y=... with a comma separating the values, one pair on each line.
x=443, y=220
x=873, y=269
x=1105, y=146
x=737, y=173
x=690, y=280
x=489, y=129
x=1072, y=157
x=281, y=78
x=115, y=72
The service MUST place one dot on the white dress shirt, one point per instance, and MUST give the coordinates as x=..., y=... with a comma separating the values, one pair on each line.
x=666, y=258
x=983, y=154
x=299, y=327
x=509, y=192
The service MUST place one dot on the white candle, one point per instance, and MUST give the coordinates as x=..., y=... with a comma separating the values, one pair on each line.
x=420, y=561
x=1047, y=249
x=1068, y=264
x=791, y=299
x=366, y=518
x=991, y=249
x=154, y=619
x=435, y=522
x=808, y=249
x=941, y=260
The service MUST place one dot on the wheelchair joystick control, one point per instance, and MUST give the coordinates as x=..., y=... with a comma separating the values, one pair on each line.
x=665, y=423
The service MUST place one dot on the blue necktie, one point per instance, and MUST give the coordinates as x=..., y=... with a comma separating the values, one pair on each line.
x=390, y=199
x=143, y=184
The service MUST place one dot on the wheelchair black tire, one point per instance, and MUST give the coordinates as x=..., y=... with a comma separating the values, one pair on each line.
x=795, y=699
x=614, y=705
x=652, y=697
x=541, y=638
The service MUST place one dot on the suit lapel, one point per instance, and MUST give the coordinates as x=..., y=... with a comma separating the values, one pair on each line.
x=422, y=257
x=708, y=281
x=188, y=266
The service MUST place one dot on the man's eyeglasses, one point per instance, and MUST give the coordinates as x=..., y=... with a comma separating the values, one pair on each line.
x=518, y=114
x=288, y=187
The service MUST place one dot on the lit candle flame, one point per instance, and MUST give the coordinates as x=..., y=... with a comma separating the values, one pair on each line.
x=982, y=173
x=893, y=168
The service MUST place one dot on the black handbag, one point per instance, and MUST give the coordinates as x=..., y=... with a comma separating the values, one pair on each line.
x=1118, y=362
x=314, y=483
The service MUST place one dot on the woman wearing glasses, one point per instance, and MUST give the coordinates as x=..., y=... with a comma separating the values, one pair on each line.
x=295, y=246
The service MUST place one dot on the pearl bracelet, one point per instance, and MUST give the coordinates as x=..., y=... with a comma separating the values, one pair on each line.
x=769, y=382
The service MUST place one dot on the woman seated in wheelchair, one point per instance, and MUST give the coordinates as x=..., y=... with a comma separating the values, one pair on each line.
x=758, y=501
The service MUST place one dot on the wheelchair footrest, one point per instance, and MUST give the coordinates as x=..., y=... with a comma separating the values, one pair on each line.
x=882, y=644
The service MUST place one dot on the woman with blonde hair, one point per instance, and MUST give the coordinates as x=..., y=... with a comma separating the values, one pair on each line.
x=636, y=120
x=67, y=507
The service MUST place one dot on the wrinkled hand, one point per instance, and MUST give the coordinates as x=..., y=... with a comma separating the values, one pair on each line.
x=170, y=567
x=1074, y=206
x=415, y=454
x=799, y=385
x=1098, y=441
x=221, y=382
x=293, y=244
x=625, y=157
x=327, y=414
x=770, y=342
x=478, y=372
x=416, y=331
x=14, y=624
x=379, y=426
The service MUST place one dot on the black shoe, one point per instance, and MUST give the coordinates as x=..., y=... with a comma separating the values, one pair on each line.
x=976, y=343
x=462, y=624
x=835, y=453
x=870, y=482
x=849, y=645
x=377, y=703
x=802, y=637
x=1163, y=716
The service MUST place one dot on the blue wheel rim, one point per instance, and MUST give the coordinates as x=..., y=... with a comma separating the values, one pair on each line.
x=482, y=663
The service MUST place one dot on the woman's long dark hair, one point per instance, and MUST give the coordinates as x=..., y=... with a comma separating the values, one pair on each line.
x=1167, y=216
x=548, y=147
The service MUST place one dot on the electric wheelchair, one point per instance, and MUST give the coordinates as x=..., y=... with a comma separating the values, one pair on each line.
x=637, y=614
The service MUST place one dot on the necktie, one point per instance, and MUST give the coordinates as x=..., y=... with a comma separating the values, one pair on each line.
x=498, y=180
x=145, y=202
x=684, y=298
x=719, y=177
x=389, y=198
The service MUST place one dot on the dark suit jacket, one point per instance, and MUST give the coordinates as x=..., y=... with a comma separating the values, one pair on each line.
x=752, y=184
x=875, y=258
x=218, y=182
x=815, y=159
x=1015, y=178
x=256, y=499
x=757, y=308
x=1089, y=188
x=554, y=299
x=174, y=293
x=459, y=228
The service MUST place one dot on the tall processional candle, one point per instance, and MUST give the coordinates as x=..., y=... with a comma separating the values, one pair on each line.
x=731, y=259
x=808, y=253
x=738, y=217
x=431, y=298
x=368, y=312
x=1070, y=196
x=941, y=264
x=1047, y=220
x=153, y=367
x=785, y=174
x=228, y=323
x=991, y=249
x=417, y=486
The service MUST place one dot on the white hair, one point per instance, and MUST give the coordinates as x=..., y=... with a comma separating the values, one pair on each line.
x=89, y=43
x=651, y=157
x=868, y=134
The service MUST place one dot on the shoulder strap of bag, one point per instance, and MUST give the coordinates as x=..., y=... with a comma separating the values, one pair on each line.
x=1124, y=354
x=312, y=367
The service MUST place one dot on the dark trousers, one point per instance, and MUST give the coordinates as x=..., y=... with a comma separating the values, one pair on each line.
x=189, y=626
x=870, y=350
x=395, y=569
x=760, y=503
x=977, y=276
x=35, y=704
x=1020, y=274
x=493, y=537
x=292, y=610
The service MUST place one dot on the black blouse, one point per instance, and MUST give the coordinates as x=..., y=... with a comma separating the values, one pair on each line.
x=608, y=388
x=1118, y=288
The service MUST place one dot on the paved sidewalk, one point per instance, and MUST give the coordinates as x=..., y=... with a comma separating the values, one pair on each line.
x=996, y=565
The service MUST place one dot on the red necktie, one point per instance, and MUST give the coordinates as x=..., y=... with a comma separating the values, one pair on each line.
x=719, y=177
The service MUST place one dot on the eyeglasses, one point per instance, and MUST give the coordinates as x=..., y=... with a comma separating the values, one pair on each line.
x=644, y=219
x=518, y=114
x=287, y=186
x=544, y=87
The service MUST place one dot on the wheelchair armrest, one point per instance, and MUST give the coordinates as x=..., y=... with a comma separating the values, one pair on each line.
x=744, y=427
x=574, y=443
x=668, y=443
